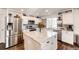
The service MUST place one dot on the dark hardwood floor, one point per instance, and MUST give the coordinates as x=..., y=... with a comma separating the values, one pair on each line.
x=17, y=47
x=65, y=46
x=61, y=46
x=2, y=46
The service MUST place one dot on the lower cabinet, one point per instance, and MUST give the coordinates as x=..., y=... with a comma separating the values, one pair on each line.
x=31, y=44
x=50, y=44
x=68, y=36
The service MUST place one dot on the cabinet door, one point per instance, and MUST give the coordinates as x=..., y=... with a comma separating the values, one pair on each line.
x=50, y=44
x=68, y=18
x=76, y=21
x=67, y=36
x=33, y=45
x=30, y=44
x=24, y=23
x=25, y=20
x=36, y=21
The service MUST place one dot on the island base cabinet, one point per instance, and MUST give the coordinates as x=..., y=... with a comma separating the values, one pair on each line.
x=50, y=44
x=31, y=44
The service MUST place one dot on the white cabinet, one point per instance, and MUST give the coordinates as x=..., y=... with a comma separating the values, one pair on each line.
x=50, y=44
x=37, y=21
x=76, y=21
x=31, y=44
x=68, y=18
x=67, y=36
x=25, y=20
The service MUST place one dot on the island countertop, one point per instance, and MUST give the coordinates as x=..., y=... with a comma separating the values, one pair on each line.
x=42, y=36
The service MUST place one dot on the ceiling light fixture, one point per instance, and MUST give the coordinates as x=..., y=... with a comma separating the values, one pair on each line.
x=46, y=10
x=22, y=10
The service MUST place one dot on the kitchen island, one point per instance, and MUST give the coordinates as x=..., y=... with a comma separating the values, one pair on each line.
x=44, y=40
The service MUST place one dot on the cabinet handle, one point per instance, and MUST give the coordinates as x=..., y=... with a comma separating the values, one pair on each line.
x=47, y=41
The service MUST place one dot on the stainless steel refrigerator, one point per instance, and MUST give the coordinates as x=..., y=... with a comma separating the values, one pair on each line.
x=13, y=30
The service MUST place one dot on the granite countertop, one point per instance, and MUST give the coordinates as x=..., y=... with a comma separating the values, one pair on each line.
x=40, y=36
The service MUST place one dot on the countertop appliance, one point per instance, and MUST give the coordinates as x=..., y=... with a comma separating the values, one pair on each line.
x=29, y=25
x=31, y=22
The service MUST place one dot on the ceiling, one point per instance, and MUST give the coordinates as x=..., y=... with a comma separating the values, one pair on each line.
x=40, y=11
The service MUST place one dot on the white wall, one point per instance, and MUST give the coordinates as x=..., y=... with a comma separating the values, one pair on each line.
x=3, y=14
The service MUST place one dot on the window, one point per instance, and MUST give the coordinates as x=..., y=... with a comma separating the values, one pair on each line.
x=51, y=23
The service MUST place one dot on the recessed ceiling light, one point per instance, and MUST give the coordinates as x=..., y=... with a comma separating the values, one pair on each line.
x=22, y=10
x=46, y=10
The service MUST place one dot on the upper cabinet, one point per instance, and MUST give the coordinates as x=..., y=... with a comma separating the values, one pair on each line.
x=37, y=20
x=76, y=21
x=25, y=20
x=68, y=18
